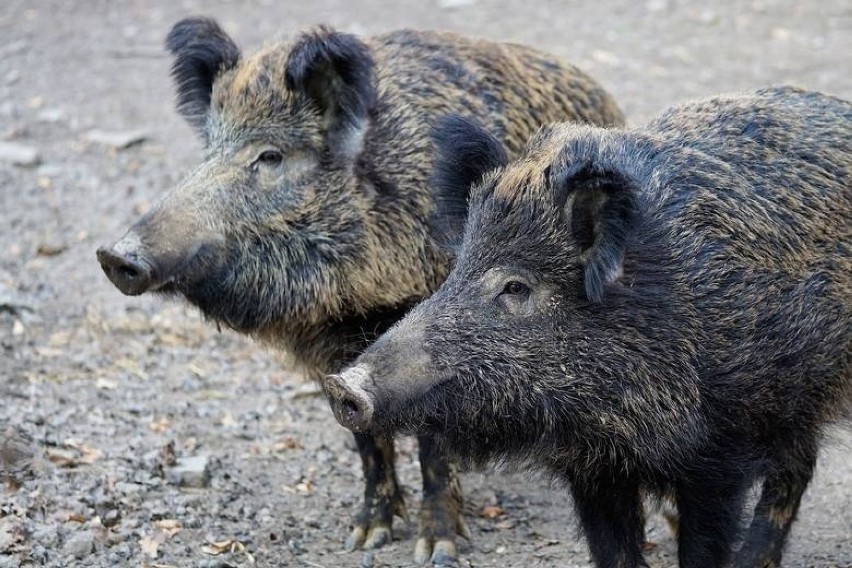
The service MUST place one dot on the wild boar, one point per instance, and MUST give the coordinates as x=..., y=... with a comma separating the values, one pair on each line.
x=306, y=224
x=663, y=310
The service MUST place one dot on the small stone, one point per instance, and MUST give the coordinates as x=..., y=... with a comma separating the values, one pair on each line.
x=12, y=77
x=190, y=472
x=655, y=6
x=781, y=34
x=50, y=115
x=449, y=4
x=11, y=561
x=117, y=139
x=51, y=248
x=18, y=154
x=80, y=545
x=111, y=518
x=605, y=57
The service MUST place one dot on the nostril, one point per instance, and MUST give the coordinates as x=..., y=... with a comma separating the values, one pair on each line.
x=126, y=271
x=352, y=409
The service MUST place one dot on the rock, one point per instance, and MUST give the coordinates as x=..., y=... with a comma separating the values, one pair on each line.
x=80, y=545
x=9, y=561
x=50, y=115
x=16, y=451
x=190, y=472
x=46, y=535
x=448, y=4
x=12, y=302
x=18, y=154
x=118, y=140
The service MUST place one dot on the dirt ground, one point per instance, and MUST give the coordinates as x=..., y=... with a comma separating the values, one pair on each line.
x=101, y=393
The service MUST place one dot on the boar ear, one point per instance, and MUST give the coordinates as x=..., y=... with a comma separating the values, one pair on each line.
x=602, y=210
x=201, y=50
x=335, y=71
x=464, y=153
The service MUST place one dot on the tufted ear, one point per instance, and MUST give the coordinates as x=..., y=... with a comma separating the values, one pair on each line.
x=602, y=210
x=201, y=50
x=464, y=153
x=335, y=71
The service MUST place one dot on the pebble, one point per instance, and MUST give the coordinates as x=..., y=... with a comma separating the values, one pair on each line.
x=449, y=4
x=80, y=545
x=18, y=154
x=116, y=139
x=11, y=561
x=190, y=472
x=50, y=115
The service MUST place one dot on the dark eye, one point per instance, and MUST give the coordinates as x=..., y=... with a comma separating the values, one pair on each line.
x=515, y=288
x=270, y=157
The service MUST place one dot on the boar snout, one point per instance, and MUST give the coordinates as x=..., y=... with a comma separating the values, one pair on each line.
x=352, y=405
x=126, y=268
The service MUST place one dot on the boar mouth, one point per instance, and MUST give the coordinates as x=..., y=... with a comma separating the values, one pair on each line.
x=419, y=412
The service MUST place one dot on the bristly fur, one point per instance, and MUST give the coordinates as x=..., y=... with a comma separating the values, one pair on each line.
x=201, y=51
x=709, y=352
x=464, y=153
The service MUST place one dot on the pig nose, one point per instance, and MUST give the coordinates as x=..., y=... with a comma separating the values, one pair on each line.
x=352, y=406
x=130, y=273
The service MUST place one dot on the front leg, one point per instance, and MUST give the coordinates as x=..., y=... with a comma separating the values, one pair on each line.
x=610, y=512
x=441, y=511
x=373, y=525
x=710, y=512
x=776, y=510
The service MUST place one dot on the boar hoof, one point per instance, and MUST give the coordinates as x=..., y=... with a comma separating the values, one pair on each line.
x=378, y=537
x=373, y=537
x=442, y=553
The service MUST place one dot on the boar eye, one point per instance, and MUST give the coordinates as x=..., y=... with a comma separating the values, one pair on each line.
x=515, y=288
x=270, y=158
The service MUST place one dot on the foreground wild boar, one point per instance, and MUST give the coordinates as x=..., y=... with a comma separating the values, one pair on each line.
x=306, y=223
x=664, y=310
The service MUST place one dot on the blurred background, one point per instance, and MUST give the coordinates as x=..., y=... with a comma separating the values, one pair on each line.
x=101, y=394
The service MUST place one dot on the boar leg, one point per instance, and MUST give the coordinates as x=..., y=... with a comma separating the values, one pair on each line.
x=441, y=512
x=776, y=510
x=382, y=495
x=709, y=520
x=612, y=519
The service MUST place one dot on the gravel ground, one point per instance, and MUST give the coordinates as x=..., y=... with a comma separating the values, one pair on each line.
x=133, y=433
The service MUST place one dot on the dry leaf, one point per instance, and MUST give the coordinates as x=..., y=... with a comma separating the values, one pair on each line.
x=76, y=518
x=491, y=512
x=49, y=351
x=11, y=533
x=196, y=370
x=106, y=384
x=223, y=546
x=160, y=425
x=151, y=546
x=169, y=526
x=73, y=454
x=227, y=546
x=287, y=443
x=131, y=366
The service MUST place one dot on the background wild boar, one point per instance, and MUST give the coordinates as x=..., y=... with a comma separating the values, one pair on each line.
x=306, y=223
x=662, y=310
